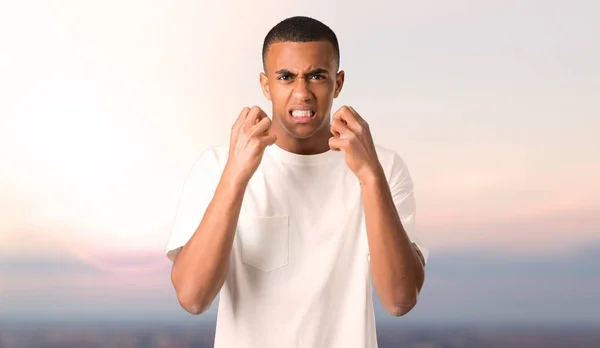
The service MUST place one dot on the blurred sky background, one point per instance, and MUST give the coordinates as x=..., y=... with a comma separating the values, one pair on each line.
x=494, y=105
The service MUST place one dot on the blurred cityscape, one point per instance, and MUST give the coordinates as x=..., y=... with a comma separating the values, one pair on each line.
x=155, y=335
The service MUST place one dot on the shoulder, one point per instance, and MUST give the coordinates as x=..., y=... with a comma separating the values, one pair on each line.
x=212, y=157
x=389, y=158
x=209, y=163
x=393, y=164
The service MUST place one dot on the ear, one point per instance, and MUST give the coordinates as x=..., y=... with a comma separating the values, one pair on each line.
x=264, y=84
x=339, y=82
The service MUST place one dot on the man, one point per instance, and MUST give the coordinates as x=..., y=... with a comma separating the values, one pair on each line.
x=292, y=219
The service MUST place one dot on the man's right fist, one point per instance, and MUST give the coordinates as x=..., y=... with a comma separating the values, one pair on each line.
x=249, y=138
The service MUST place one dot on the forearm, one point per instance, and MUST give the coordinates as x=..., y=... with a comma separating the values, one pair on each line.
x=202, y=264
x=396, y=268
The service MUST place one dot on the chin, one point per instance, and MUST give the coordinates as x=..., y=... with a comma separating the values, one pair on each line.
x=303, y=130
x=303, y=134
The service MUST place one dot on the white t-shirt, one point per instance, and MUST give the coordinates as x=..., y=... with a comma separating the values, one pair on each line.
x=299, y=274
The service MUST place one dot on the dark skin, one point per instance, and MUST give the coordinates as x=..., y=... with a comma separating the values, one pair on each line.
x=300, y=75
x=306, y=73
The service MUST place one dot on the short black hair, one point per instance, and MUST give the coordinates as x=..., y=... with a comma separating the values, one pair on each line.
x=300, y=29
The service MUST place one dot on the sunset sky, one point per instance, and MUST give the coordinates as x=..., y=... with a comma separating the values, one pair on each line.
x=104, y=106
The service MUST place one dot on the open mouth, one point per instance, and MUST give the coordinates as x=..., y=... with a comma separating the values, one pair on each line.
x=302, y=115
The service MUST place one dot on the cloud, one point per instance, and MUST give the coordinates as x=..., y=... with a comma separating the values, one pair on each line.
x=76, y=265
x=462, y=286
x=93, y=167
x=546, y=232
x=53, y=287
x=478, y=287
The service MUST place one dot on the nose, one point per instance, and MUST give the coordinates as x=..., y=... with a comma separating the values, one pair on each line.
x=302, y=90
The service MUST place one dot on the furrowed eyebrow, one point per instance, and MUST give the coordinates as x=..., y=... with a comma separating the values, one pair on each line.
x=317, y=71
x=311, y=72
x=285, y=72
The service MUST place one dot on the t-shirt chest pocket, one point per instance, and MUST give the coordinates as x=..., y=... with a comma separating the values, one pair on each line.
x=264, y=241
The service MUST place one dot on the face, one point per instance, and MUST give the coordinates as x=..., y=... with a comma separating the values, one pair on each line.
x=301, y=80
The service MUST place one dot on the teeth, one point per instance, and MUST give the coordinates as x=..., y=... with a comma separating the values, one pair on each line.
x=301, y=113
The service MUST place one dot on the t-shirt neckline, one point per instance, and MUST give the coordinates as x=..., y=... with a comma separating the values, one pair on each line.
x=290, y=157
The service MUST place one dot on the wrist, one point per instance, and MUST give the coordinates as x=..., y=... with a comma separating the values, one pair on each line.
x=372, y=177
x=234, y=180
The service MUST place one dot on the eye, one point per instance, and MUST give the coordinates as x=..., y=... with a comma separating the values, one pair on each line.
x=284, y=77
x=317, y=77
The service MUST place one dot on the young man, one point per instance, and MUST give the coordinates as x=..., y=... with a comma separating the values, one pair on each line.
x=292, y=219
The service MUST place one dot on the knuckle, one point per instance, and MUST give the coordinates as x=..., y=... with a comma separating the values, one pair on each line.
x=244, y=113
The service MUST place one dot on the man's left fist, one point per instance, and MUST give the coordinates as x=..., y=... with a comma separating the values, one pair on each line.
x=352, y=136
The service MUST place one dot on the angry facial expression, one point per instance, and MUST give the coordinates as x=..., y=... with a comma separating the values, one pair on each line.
x=301, y=80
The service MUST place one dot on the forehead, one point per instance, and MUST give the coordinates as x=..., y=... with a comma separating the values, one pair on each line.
x=300, y=56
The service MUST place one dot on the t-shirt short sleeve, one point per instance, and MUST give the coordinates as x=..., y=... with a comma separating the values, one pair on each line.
x=197, y=193
x=402, y=190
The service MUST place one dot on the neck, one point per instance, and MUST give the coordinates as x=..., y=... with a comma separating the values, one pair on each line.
x=315, y=144
x=308, y=146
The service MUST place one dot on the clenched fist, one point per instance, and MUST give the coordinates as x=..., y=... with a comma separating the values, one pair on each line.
x=352, y=136
x=249, y=138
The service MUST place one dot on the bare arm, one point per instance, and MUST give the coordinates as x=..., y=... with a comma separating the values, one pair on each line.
x=201, y=267
x=397, y=266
